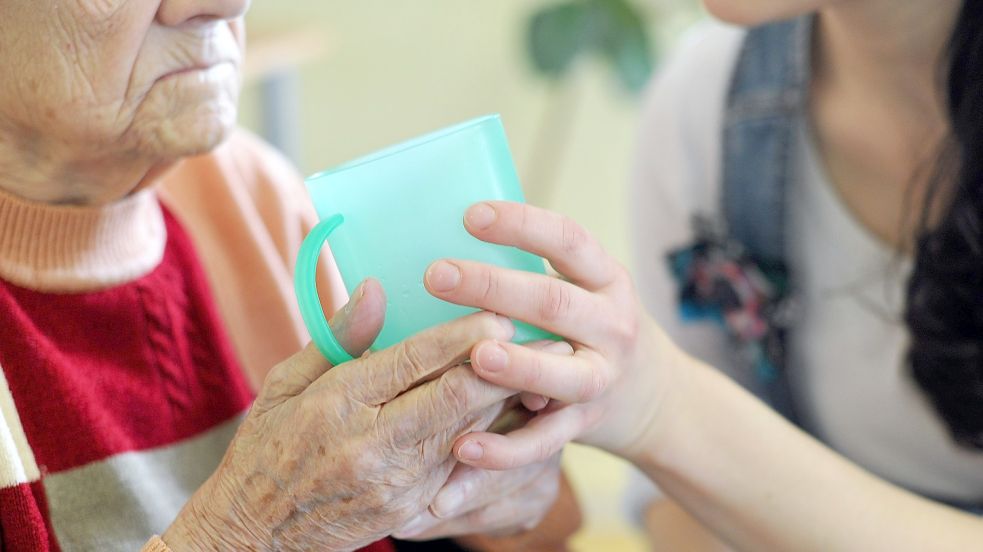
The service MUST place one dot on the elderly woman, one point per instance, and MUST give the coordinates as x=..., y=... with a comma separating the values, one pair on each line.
x=141, y=297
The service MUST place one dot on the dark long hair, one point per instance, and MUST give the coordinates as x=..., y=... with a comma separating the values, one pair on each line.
x=944, y=309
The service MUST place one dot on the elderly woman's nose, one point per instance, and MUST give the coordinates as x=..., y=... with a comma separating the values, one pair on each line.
x=178, y=12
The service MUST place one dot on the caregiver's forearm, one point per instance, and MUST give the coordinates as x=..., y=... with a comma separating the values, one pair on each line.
x=763, y=484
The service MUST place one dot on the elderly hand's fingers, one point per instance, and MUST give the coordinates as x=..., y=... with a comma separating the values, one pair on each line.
x=522, y=510
x=433, y=407
x=571, y=250
x=532, y=401
x=576, y=378
x=469, y=488
x=356, y=326
x=544, y=302
x=543, y=437
x=380, y=377
x=425, y=456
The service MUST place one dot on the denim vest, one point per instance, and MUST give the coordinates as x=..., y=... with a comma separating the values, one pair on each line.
x=766, y=101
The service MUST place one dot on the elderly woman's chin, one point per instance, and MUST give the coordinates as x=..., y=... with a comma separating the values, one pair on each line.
x=188, y=113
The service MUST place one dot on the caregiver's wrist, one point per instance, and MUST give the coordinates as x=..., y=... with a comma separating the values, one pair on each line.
x=673, y=389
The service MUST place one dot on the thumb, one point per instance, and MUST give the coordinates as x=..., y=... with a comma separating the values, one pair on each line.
x=355, y=326
x=359, y=322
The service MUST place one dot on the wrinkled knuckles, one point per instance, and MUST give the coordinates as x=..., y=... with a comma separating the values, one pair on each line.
x=592, y=387
x=408, y=359
x=556, y=302
x=574, y=239
x=455, y=392
x=533, y=374
x=486, y=285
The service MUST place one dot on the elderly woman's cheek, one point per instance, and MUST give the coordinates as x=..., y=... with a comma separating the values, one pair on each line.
x=188, y=113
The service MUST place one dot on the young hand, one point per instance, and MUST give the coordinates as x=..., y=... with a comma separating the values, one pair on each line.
x=610, y=390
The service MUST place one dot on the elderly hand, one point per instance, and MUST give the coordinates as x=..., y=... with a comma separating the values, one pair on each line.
x=336, y=458
x=493, y=503
x=610, y=389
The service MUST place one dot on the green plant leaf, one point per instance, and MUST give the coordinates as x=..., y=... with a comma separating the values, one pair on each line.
x=625, y=43
x=557, y=36
x=613, y=29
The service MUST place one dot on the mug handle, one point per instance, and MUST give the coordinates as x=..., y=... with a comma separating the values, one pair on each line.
x=305, y=286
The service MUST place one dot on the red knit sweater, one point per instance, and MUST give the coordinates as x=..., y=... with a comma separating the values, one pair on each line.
x=127, y=398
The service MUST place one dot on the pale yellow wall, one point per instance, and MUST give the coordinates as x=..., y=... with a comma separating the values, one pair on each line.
x=397, y=68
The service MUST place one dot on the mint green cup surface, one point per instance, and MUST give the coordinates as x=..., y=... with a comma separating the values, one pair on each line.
x=391, y=214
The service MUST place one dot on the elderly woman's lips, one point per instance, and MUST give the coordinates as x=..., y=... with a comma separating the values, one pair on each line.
x=193, y=69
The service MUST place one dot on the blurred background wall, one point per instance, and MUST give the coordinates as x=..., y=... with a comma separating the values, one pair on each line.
x=329, y=80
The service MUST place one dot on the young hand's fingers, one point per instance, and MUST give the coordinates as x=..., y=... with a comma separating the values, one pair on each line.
x=498, y=519
x=550, y=346
x=469, y=488
x=380, y=377
x=534, y=402
x=576, y=378
x=521, y=508
x=543, y=437
x=424, y=525
x=548, y=303
x=571, y=250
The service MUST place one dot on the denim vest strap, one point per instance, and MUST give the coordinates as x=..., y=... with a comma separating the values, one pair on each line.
x=767, y=96
x=765, y=102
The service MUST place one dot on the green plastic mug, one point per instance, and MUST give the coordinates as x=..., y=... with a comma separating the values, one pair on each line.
x=391, y=214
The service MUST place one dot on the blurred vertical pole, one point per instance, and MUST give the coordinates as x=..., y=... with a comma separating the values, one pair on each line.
x=280, y=107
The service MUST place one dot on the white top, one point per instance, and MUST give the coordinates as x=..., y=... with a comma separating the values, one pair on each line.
x=847, y=352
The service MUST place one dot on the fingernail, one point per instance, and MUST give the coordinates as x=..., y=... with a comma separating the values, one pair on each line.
x=507, y=325
x=537, y=403
x=480, y=216
x=471, y=450
x=349, y=307
x=560, y=348
x=413, y=528
x=443, y=276
x=447, y=502
x=356, y=297
x=492, y=358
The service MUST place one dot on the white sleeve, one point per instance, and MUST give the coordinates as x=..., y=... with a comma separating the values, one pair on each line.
x=677, y=174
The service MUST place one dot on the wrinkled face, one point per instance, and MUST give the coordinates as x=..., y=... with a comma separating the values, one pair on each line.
x=111, y=80
x=757, y=12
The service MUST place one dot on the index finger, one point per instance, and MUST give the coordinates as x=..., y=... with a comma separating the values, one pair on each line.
x=380, y=377
x=540, y=439
x=571, y=250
